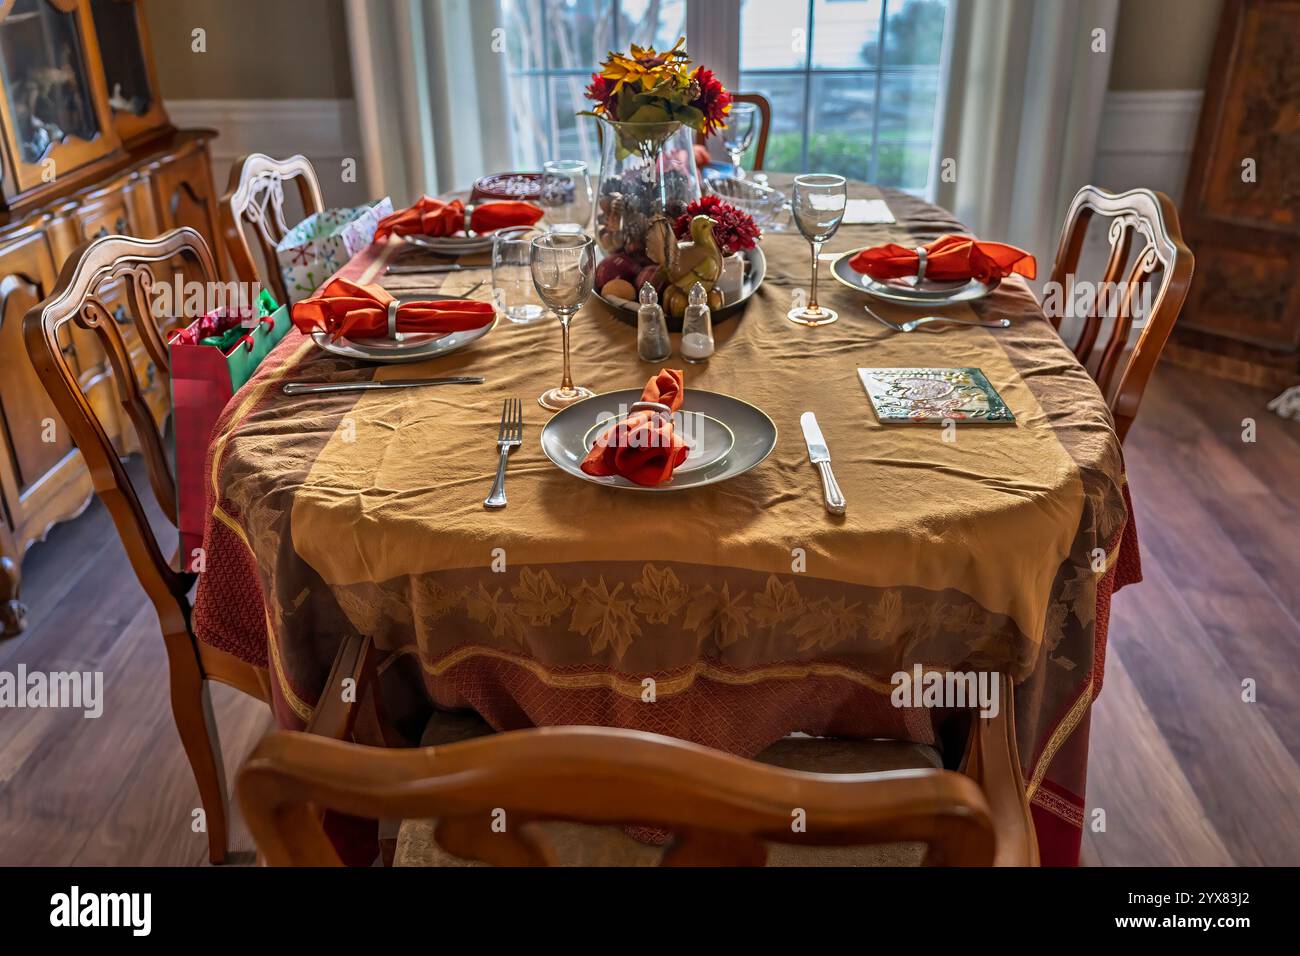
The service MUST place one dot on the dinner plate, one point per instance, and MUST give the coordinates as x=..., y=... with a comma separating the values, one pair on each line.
x=929, y=295
x=457, y=245
x=407, y=347
x=708, y=418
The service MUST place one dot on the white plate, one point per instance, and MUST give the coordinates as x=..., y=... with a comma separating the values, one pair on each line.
x=407, y=347
x=929, y=295
x=457, y=245
x=569, y=435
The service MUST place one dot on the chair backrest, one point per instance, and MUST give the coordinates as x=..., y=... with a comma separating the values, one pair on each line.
x=255, y=197
x=764, y=125
x=77, y=298
x=721, y=809
x=1144, y=228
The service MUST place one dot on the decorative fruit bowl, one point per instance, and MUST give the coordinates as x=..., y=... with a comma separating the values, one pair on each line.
x=752, y=261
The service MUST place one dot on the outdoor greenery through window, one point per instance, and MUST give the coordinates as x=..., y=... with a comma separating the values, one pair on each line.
x=854, y=84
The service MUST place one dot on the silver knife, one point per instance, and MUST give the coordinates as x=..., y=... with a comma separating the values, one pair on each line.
x=311, y=388
x=415, y=270
x=821, y=457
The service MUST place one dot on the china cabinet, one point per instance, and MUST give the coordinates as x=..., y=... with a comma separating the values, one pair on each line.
x=1241, y=211
x=86, y=150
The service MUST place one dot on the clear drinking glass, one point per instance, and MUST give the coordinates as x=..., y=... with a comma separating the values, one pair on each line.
x=564, y=268
x=566, y=195
x=738, y=134
x=817, y=207
x=513, y=292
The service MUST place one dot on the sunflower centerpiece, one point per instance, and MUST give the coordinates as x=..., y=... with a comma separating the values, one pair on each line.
x=650, y=105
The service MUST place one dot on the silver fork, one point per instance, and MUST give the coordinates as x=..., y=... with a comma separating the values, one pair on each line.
x=510, y=436
x=917, y=323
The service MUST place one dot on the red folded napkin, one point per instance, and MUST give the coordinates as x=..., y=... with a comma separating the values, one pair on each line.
x=947, y=259
x=344, y=308
x=433, y=217
x=644, y=447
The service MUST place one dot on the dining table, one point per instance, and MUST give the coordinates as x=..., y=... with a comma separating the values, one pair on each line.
x=731, y=615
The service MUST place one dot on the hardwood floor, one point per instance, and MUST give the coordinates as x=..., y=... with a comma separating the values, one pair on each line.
x=1186, y=772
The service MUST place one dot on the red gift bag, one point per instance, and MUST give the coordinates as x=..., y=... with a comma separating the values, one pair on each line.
x=204, y=379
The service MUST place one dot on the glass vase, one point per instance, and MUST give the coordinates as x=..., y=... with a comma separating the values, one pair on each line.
x=645, y=169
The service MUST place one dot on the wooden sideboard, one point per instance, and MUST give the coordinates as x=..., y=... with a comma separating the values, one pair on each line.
x=86, y=150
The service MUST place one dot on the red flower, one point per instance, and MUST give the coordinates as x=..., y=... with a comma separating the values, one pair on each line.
x=602, y=91
x=735, y=229
x=713, y=100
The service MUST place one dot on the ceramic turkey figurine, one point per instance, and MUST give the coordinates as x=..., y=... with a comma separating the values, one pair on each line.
x=686, y=263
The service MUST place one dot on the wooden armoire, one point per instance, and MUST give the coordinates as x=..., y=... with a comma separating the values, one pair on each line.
x=1241, y=208
x=86, y=150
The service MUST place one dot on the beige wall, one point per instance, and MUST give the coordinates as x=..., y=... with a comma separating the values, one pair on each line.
x=1164, y=44
x=256, y=49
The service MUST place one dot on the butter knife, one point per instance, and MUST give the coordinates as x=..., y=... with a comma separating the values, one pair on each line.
x=312, y=388
x=821, y=457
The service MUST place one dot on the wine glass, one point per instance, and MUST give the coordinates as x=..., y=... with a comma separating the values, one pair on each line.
x=817, y=207
x=738, y=134
x=566, y=195
x=564, y=268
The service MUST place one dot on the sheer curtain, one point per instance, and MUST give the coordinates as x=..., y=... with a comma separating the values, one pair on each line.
x=1025, y=94
x=431, y=94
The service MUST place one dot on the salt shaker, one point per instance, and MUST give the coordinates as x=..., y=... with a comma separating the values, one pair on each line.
x=697, y=326
x=652, y=342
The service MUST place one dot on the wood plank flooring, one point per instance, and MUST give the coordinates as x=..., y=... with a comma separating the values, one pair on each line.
x=1186, y=772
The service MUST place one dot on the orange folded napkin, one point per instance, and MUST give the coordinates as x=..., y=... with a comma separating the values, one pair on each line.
x=947, y=259
x=644, y=447
x=344, y=308
x=433, y=217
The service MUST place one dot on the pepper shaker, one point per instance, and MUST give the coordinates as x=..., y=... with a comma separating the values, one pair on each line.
x=697, y=326
x=652, y=341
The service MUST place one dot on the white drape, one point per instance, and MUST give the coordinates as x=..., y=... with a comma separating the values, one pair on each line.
x=1022, y=114
x=431, y=94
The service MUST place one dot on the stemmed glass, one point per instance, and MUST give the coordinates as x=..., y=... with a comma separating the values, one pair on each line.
x=566, y=195
x=738, y=134
x=817, y=207
x=564, y=268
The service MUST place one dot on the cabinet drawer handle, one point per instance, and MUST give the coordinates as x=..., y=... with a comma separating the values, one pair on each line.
x=103, y=231
x=122, y=226
x=121, y=316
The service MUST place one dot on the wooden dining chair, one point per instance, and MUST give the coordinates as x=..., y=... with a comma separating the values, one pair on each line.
x=1148, y=261
x=78, y=299
x=563, y=795
x=764, y=125
x=254, y=198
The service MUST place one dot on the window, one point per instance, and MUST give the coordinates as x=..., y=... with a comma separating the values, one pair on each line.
x=552, y=48
x=854, y=84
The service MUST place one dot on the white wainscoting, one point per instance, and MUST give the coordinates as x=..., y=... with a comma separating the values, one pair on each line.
x=325, y=131
x=1146, y=140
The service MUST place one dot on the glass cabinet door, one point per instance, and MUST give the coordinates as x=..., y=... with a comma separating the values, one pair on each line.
x=128, y=66
x=43, y=61
x=54, y=115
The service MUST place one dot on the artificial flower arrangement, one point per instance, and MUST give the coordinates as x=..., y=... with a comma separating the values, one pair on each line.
x=733, y=228
x=646, y=86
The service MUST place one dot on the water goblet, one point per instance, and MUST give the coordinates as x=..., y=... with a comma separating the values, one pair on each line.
x=738, y=134
x=564, y=269
x=566, y=195
x=817, y=207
